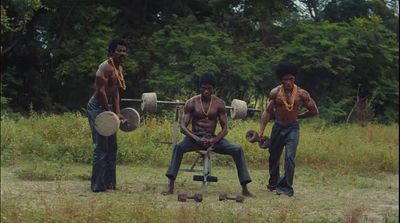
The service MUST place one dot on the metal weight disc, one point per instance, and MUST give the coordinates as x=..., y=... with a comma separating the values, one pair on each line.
x=252, y=136
x=106, y=123
x=133, y=120
x=149, y=102
x=239, y=109
x=182, y=197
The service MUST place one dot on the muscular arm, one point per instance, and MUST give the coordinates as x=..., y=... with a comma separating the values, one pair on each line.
x=309, y=103
x=101, y=82
x=187, y=112
x=266, y=116
x=116, y=102
x=223, y=121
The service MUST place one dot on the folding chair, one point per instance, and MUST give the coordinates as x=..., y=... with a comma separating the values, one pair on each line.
x=206, y=157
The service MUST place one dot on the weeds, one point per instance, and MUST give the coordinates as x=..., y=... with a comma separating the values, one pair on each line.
x=67, y=138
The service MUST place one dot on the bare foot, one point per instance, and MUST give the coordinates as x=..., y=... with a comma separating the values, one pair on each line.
x=170, y=189
x=246, y=192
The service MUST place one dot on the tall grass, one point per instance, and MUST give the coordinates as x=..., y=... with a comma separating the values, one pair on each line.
x=66, y=138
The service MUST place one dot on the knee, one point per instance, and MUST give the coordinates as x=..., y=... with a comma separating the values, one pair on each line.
x=179, y=149
x=237, y=149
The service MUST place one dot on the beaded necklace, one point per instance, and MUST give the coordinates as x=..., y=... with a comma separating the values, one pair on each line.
x=120, y=76
x=209, y=106
x=281, y=94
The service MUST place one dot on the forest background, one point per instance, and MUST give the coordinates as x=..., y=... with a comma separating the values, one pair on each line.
x=348, y=157
x=347, y=51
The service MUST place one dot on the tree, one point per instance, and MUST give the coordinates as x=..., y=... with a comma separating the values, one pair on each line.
x=336, y=57
x=184, y=50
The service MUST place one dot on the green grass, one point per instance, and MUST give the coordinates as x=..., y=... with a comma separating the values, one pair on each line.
x=344, y=173
x=320, y=196
x=67, y=138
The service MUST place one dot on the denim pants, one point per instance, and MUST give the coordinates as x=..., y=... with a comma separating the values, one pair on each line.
x=283, y=136
x=222, y=147
x=104, y=153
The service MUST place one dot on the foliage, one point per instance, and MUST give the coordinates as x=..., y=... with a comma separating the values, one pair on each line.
x=335, y=57
x=66, y=139
x=194, y=48
x=50, y=49
x=16, y=14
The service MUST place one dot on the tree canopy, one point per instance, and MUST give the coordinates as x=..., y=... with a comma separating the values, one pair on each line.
x=50, y=50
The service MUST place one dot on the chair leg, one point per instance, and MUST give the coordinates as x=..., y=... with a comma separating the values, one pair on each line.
x=194, y=162
x=206, y=172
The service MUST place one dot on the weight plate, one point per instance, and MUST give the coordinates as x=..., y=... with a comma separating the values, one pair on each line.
x=149, y=102
x=106, y=123
x=133, y=120
x=239, y=109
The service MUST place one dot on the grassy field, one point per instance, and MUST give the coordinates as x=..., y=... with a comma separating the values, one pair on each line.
x=321, y=195
x=67, y=138
x=344, y=173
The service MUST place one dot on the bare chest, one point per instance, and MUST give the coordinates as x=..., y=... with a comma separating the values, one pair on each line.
x=288, y=101
x=205, y=110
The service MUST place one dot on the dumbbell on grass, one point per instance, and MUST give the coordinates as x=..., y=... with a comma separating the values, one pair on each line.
x=237, y=198
x=263, y=142
x=197, y=197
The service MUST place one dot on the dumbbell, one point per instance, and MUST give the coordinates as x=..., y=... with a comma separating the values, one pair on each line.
x=237, y=198
x=263, y=142
x=149, y=105
x=197, y=197
x=107, y=123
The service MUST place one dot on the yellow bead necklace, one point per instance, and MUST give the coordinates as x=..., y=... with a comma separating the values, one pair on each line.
x=209, y=107
x=281, y=94
x=120, y=76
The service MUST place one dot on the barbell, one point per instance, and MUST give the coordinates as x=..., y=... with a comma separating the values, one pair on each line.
x=149, y=105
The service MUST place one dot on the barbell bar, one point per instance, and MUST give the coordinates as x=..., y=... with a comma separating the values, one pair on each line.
x=149, y=104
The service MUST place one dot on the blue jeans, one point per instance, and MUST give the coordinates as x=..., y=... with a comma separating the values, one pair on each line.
x=222, y=147
x=283, y=136
x=104, y=153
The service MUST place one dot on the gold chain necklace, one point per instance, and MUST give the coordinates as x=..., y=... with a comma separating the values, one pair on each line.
x=209, y=107
x=120, y=76
x=289, y=107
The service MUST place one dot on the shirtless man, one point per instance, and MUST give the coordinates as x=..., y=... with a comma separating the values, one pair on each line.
x=285, y=100
x=204, y=111
x=109, y=78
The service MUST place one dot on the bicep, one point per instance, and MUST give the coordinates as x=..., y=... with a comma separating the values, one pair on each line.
x=270, y=103
x=187, y=112
x=308, y=101
x=101, y=79
x=223, y=119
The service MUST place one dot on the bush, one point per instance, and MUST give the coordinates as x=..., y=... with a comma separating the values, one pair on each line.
x=66, y=138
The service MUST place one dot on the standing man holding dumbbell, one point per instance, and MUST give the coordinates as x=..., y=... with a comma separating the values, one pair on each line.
x=204, y=111
x=285, y=100
x=109, y=79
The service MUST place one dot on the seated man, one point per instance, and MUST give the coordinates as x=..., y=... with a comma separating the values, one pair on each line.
x=204, y=111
